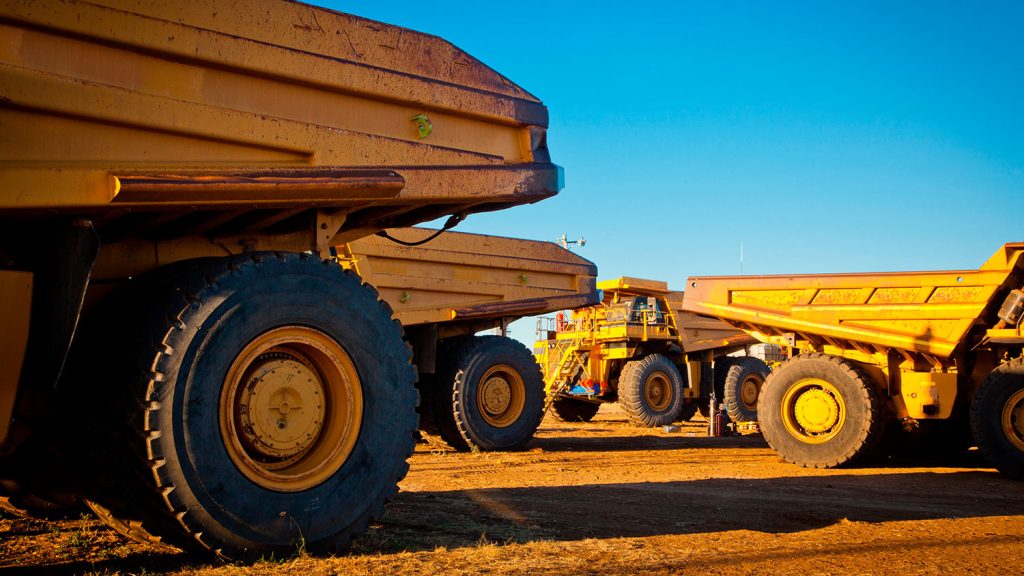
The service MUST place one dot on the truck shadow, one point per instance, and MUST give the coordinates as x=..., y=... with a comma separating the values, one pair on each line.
x=678, y=441
x=424, y=521
x=136, y=563
x=578, y=442
x=459, y=518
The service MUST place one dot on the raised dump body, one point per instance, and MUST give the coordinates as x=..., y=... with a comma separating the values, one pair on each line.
x=454, y=286
x=698, y=333
x=639, y=348
x=175, y=174
x=925, y=312
x=915, y=346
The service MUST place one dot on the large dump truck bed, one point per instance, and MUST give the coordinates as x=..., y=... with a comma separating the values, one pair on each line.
x=210, y=117
x=930, y=312
x=460, y=277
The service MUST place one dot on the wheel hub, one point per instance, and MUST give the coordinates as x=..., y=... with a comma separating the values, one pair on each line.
x=657, y=392
x=501, y=396
x=813, y=410
x=816, y=411
x=497, y=395
x=281, y=408
x=291, y=409
x=749, y=391
x=1013, y=419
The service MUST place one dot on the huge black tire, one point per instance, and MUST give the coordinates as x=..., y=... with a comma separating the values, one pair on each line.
x=742, y=386
x=651, y=391
x=997, y=418
x=488, y=394
x=574, y=410
x=268, y=406
x=435, y=403
x=819, y=411
x=690, y=407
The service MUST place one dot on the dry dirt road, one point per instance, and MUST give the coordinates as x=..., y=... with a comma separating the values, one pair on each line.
x=609, y=498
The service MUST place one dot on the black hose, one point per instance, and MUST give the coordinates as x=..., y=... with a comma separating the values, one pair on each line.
x=452, y=222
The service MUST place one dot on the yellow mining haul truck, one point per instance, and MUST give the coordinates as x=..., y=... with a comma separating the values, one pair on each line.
x=483, y=392
x=918, y=348
x=640, y=348
x=174, y=175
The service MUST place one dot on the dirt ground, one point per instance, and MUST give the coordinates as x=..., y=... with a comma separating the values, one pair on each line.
x=609, y=498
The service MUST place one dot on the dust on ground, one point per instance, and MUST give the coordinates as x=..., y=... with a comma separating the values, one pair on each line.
x=609, y=498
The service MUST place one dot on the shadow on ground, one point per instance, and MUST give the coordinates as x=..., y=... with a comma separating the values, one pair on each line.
x=137, y=563
x=582, y=443
x=426, y=520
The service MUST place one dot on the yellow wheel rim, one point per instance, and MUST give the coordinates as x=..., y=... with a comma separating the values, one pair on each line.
x=291, y=409
x=1013, y=419
x=658, y=392
x=813, y=411
x=750, y=389
x=501, y=396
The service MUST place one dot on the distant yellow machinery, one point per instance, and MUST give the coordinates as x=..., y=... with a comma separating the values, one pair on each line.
x=935, y=351
x=639, y=347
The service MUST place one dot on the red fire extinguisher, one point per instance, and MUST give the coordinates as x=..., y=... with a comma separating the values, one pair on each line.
x=719, y=424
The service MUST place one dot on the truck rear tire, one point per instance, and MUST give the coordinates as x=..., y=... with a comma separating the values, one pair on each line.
x=573, y=410
x=690, y=407
x=488, y=395
x=741, y=387
x=819, y=411
x=651, y=391
x=997, y=418
x=268, y=404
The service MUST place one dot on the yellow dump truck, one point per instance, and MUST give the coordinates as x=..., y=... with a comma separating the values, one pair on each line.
x=875, y=349
x=638, y=347
x=483, y=392
x=176, y=346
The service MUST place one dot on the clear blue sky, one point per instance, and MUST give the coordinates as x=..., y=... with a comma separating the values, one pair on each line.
x=826, y=136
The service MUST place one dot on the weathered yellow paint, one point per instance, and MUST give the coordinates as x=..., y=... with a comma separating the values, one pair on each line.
x=625, y=284
x=1006, y=335
x=921, y=389
x=459, y=276
x=91, y=90
x=929, y=312
x=617, y=353
x=15, y=308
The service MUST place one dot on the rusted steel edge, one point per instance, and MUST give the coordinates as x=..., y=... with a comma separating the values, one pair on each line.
x=148, y=191
x=246, y=188
x=525, y=307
